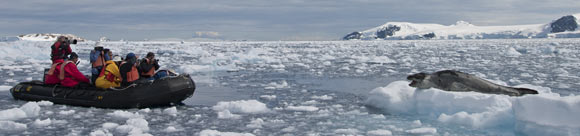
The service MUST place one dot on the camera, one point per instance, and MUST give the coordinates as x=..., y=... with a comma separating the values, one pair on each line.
x=99, y=48
x=68, y=42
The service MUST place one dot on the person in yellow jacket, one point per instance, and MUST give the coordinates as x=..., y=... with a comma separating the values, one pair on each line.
x=111, y=76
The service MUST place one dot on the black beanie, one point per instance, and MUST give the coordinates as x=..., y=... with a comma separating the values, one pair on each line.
x=73, y=55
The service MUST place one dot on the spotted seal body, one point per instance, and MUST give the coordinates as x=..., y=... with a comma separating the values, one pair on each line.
x=451, y=80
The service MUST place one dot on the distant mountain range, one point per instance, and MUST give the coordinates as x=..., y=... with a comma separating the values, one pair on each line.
x=564, y=27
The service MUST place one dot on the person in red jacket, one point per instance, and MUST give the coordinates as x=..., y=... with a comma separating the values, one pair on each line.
x=51, y=78
x=68, y=74
x=60, y=49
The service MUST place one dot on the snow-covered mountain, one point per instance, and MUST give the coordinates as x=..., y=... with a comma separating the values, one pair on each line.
x=564, y=27
x=48, y=37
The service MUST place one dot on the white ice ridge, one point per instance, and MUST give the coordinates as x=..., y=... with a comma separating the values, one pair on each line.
x=544, y=114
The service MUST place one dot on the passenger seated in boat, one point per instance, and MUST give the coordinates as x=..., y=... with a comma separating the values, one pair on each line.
x=51, y=77
x=128, y=69
x=67, y=74
x=110, y=76
x=148, y=66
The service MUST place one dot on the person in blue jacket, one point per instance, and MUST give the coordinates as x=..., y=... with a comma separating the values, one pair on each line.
x=98, y=58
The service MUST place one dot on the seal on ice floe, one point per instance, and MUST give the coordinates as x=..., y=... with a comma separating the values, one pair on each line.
x=451, y=80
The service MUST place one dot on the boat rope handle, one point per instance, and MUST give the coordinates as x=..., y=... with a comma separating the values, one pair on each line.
x=54, y=88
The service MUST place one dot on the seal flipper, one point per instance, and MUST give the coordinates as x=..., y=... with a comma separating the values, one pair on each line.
x=524, y=91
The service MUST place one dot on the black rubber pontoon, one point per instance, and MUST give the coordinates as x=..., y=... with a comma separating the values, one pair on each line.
x=161, y=92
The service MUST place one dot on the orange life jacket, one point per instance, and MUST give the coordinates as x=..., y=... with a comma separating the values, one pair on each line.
x=61, y=74
x=100, y=61
x=132, y=75
x=150, y=72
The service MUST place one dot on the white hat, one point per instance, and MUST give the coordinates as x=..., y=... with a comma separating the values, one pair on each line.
x=117, y=58
x=98, y=44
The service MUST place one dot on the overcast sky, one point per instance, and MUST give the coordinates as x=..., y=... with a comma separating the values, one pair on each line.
x=259, y=19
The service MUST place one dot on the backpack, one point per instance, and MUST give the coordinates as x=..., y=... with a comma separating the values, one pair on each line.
x=58, y=53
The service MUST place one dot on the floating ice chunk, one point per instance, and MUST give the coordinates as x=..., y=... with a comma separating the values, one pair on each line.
x=171, y=111
x=422, y=131
x=394, y=98
x=301, y=108
x=139, y=123
x=171, y=129
x=279, y=66
x=544, y=114
x=547, y=115
x=42, y=123
x=242, y=106
x=268, y=97
x=4, y=88
x=12, y=114
x=69, y=112
x=548, y=50
x=274, y=85
x=135, y=126
x=226, y=114
x=324, y=97
x=487, y=119
x=379, y=132
x=378, y=116
x=110, y=126
x=146, y=110
x=125, y=129
x=512, y=52
x=31, y=109
x=345, y=68
x=100, y=132
x=209, y=132
x=11, y=126
x=45, y=103
x=311, y=102
x=289, y=129
x=349, y=131
x=124, y=114
x=256, y=123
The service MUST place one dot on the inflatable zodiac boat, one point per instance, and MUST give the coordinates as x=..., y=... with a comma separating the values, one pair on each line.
x=162, y=92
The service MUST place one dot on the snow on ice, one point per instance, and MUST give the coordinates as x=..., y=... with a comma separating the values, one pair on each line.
x=531, y=114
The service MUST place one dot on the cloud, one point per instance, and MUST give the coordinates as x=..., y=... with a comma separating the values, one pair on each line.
x=206, y=34
x=260, y=19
